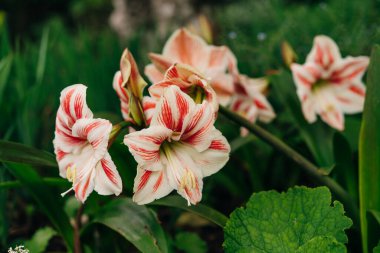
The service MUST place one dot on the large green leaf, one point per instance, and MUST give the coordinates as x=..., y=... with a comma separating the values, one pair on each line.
x=369, y=147
x=40, y=240
x=137, y=224
x=20, y=153
x=5, y=69
x=285, y=222
x=318, y=136
x=51, y=204
x=200, y=209
x=322, y=244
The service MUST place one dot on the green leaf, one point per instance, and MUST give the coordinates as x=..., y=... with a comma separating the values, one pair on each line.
x=51, y=204
x=283, y=222
x=318, y=136
x=5, y=69
x=136, y=223
x=190, y=243
x=322, y=244
x=369, y=147
x=200, y=209
x=377, y=248
x=19, y=153
x=241, y=141
x=40, y=240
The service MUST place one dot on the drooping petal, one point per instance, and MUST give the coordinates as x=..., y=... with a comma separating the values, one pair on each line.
x=351, y=98
x=172, y=108
x=150, y=185
x=107, y=178
x=145, y=146
x=184, y=47
x=324, y=53
x=333, y=117
x=266, y=112
x=349, y=69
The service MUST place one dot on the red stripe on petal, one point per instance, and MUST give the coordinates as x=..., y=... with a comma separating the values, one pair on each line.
x=357, y=90
x=158, y=182
x=259, y=104
x=303, y=80
x=78, y=106
x=85, y=187
x=144, y=179
x=108, y=171
x=218, y=145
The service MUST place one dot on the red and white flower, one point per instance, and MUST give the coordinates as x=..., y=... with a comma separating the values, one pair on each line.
x=328, y=84
x=189, y=81
x=80, y=146
x=250, y=102
x=180, y=147
x=211, y=61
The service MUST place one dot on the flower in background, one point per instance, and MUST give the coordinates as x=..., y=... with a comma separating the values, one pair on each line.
x=328, y=84
x=211, y=61
x=129, y=86
x=180, y=147
x=189, y=81
x=80, y=146
x=250, y=102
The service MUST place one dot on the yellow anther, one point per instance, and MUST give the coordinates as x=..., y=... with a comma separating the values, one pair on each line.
x=70, y=173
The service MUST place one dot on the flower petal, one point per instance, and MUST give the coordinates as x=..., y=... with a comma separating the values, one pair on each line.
x=197, y=127
x=325, y=52
x=150, y=185
x=149, y=106
x=223, y=85
x=216, y=156
x=349, y=69
x=351, y=98
x=184, y=47
x=172, y=108
x=107, y=178
x=118, y=85
x=334, y=118
x=306, y=75
x=162, y=63
x=131, y=76
x=183, y=173
x=145, y=146
x=153, y=73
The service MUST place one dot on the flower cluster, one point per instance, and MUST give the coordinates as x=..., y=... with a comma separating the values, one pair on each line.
x=173, y=136
x=18, y=249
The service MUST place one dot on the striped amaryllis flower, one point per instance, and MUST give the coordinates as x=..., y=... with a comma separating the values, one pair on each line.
x=328, y=84
x=80, y=146
x=129, y=86
x=250, y=102
x=189, y=81
x=180, y=147
x=213, y=62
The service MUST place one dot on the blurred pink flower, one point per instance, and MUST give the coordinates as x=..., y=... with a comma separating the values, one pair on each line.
x=80, y=146
x=328, y=84
x=250, y=102
x=180, y=147
x=211, y=61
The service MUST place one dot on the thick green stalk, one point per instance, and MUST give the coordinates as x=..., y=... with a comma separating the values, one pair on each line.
x=305, y=164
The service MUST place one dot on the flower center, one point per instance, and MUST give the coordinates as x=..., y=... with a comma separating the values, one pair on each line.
x=197, y=93
x=319, y=85
x=70, y=173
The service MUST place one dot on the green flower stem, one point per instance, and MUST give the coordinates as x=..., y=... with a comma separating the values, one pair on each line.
x=116, y=129
x=305, y=164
